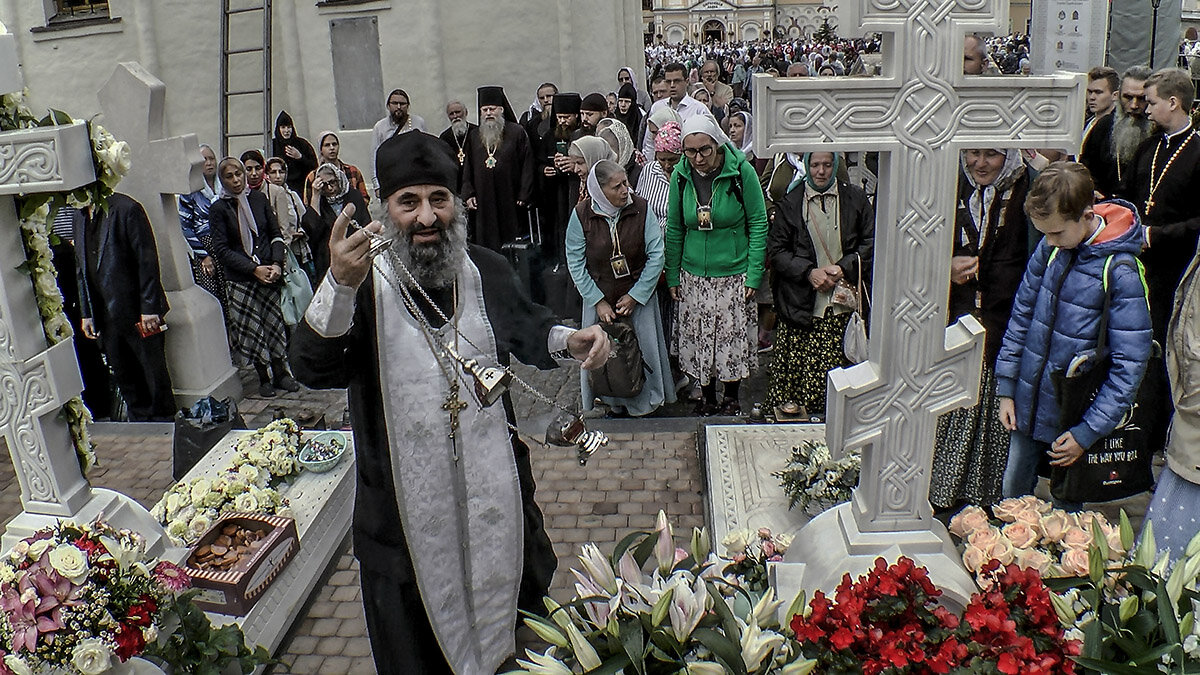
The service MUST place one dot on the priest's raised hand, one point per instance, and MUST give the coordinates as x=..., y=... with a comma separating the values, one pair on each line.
x=349, y=256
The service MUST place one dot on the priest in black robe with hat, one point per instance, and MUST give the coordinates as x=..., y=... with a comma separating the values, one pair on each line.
x=554, y=207
x=498, y=172
x=446, y=529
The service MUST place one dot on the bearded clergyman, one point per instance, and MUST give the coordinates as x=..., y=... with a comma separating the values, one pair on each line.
x=1109, y=148
x=455, y=135
x=498, y=172
x=446, y=529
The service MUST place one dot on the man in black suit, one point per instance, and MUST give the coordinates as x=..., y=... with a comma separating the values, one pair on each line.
x=122, y=303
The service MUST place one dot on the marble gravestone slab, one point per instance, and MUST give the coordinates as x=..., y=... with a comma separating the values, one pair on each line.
x=740, y=459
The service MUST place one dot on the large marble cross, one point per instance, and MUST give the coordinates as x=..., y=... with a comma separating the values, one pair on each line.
x=919, y=115
x=36, y=381
x=134, y=103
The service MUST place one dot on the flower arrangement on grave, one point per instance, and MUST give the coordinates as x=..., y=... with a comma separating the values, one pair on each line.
x=654, y=608
x=749, y=551
x=815, y=481
x=262, y=460
x=889, y=622
x=1134, y=617
x=36, y=212
x=1032, y=534
x=82, y=598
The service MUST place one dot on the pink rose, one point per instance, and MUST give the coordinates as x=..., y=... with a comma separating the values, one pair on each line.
x=1054, y=526
x=1039, y=505
x=1001, y=550
x=967, y=521
x=1075, y=562
x=1031, y=519
x=1086, y=518
x=1021, y=535
x=1077, y=537
x=1033, y=559
x=984, y=538
x=768, y=548
x=1116, y=551
x=764, y=533
x=974, y=558
x=1007, y=509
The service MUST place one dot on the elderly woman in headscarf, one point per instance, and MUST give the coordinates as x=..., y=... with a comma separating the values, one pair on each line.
x=615, y=255
x=823, y=233
x=653, y=123
x=584, y=153
x=991, y=249
x=329, y=147
x=246, y=239
x=715, y=243
x=614, y=133
x=654, y=185
x=331, y=192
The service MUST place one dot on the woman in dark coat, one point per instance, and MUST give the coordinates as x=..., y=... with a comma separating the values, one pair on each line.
x=991, y=249
x=246, y=239
x=331, y=192
x=296, y=151
x=823, y=232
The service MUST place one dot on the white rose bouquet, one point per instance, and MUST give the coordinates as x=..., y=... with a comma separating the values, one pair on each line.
x=815, y=481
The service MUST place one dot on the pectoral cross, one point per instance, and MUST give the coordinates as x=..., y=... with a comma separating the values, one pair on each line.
x=462, y=156
x=454, y=405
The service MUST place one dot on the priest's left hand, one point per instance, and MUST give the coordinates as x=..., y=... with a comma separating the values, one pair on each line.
x=591, y=346
x=1065, y=450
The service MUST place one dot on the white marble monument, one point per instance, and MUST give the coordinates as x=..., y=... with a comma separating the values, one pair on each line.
x=36, y=381
x=919, y=114
x=162, y=167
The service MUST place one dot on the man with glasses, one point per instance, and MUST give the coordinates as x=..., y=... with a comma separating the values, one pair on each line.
x=397, y=121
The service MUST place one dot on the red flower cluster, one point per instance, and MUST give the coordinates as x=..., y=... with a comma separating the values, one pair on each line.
x=1013, y=624
x=130, y=641
x=889, y=623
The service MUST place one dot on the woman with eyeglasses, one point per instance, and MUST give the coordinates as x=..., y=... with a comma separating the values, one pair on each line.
x=715, y=244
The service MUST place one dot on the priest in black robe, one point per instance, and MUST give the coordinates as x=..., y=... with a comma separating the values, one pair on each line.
x=446, y=529
x=1164, y=186
x=455, y=135
x=554, y=205
x=498, y=173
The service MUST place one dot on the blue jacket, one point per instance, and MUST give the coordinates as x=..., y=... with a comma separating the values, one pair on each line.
x=1057, y=315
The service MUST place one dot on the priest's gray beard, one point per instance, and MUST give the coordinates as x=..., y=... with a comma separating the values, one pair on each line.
x=432, y=265
x=491, y=132
x=1128, y=133
x=459, y=128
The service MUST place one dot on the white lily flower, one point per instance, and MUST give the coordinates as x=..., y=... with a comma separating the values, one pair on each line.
x=664, y=549
x=799, y=667
x=766, y=610
x=543, y=664
x=757, y=644
x=688, y=606
x=598, y=568
x=705, y=668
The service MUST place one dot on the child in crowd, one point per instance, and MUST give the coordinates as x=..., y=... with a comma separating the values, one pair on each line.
x=1057, y=315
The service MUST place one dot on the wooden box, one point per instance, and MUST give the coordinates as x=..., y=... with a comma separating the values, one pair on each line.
x=234, y=591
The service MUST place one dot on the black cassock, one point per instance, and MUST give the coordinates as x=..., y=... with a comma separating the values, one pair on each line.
x=1096, y=155
x=498, y=219
x=402, y=639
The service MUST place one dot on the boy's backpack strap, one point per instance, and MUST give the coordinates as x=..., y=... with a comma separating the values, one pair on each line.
x=1111, y=262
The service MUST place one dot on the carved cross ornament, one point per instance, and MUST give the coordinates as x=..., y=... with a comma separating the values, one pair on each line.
x=919, y=115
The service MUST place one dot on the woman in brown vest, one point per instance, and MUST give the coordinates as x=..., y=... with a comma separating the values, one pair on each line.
x=615, y=255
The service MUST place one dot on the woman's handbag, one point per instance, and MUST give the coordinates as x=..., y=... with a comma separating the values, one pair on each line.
x=623, y=375
x=854, y=343
x=295, y=293
x=1118, y=465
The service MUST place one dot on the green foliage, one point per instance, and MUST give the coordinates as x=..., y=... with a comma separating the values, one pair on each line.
x=198, y=648
x=826, y=33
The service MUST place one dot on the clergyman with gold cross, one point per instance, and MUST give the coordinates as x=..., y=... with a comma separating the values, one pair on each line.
x=446, y=529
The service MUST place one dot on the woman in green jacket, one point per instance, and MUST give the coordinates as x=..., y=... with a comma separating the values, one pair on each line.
x=715, y=242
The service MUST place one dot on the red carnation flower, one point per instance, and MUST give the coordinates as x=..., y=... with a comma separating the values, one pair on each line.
x=130, y=642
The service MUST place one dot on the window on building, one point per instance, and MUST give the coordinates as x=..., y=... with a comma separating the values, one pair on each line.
x=647, y=5
x=66, y=10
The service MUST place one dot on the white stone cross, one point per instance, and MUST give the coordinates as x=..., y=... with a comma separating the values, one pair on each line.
x=36, y=381
x=134, y=103
x=919, y=115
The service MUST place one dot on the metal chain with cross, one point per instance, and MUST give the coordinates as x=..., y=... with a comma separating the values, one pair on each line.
x=919, y=114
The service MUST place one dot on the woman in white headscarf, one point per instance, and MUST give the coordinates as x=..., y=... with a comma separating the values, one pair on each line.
x=247, y=241
x=741, y=132
x=627, y=74
x=331, y=191
x=615, y=255
x=715, y=247
x=991, y=249
x=585, y=153
x=617, y=136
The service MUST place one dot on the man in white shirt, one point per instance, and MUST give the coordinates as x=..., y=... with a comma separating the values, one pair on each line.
x=397, y=121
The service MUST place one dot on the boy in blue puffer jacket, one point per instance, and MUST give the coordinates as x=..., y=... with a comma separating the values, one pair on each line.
x=1056, y=315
